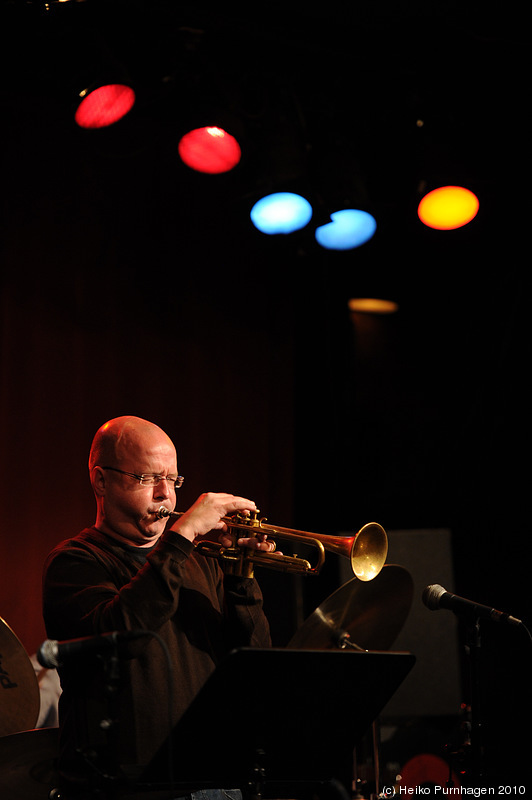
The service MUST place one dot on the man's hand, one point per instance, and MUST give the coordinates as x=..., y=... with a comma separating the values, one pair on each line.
x=258, y=542
x=207, y=514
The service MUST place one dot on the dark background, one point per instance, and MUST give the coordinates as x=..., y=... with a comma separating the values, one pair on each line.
x=132, y=285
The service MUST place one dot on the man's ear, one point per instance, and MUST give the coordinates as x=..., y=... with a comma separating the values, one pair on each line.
x=98, y=481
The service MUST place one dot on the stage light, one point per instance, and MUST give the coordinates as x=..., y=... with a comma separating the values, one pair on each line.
x=349, y=228
x=210, y=150
x=448, y=207
x=281, y=212
x=104, y=106
x=372, y=305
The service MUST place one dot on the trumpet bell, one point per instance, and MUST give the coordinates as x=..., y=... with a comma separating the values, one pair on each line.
x=368, y=551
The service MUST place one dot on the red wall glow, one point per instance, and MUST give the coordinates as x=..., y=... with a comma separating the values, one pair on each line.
x=105, y=106
x=209, y=150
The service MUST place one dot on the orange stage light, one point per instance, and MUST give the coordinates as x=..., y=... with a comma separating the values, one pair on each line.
x=448, y=207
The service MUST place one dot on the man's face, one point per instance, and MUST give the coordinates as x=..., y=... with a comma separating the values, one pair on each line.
x=129, y=508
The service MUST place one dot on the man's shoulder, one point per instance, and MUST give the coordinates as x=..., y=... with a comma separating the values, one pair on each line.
x=89, y=542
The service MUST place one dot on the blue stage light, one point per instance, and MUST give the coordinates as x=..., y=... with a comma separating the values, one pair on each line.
x=349, y=228
x=282, y=212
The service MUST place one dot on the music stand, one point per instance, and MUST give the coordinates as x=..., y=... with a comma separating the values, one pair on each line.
x=277, y=718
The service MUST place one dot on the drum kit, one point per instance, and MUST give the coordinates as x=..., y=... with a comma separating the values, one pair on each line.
x=27, y=754
x=359, y=615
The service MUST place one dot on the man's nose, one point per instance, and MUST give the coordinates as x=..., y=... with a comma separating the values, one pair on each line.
x=162, y=489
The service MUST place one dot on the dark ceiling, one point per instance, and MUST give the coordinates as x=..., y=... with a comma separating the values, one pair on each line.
x=356, y=102
x=361, y=103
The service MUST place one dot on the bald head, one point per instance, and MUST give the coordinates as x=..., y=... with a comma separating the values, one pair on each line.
x=123, y=449
x=121, y=436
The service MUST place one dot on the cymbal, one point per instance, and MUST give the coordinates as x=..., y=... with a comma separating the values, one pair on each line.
x=27, y=764
x=19, y=688
x=370, y=613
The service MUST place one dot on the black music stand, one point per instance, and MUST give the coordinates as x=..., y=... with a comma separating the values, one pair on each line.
x=270, y=721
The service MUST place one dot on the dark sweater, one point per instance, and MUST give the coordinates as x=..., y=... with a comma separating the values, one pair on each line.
x=92, y=585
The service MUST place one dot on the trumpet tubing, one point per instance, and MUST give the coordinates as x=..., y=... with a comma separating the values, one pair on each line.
x=366, y=550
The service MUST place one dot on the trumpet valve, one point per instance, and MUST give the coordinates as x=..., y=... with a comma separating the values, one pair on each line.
x=251, y=519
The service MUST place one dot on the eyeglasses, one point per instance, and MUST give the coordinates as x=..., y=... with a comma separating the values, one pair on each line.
x=148, y=479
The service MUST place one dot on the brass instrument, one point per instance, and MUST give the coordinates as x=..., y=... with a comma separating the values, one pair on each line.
x=366, y=550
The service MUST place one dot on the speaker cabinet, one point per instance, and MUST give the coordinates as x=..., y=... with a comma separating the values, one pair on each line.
x=433, y=687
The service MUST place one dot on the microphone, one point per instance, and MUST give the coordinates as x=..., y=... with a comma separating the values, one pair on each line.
x=435, y=597
x=52, y=654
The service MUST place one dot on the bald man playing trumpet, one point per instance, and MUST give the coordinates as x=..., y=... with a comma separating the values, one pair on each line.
x=135, y=571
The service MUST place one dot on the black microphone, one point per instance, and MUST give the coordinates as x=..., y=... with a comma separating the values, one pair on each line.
x=52, y=654
x=435, y=597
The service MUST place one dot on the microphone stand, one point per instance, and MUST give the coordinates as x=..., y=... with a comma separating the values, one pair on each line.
x=477, y=748
x=105, y=776
x=342, y=640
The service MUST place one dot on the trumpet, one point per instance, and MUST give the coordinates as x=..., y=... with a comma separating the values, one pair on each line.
x=366, y=550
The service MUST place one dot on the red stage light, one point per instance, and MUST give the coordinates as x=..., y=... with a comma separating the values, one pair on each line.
x=211, y=150
x=105, y=106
